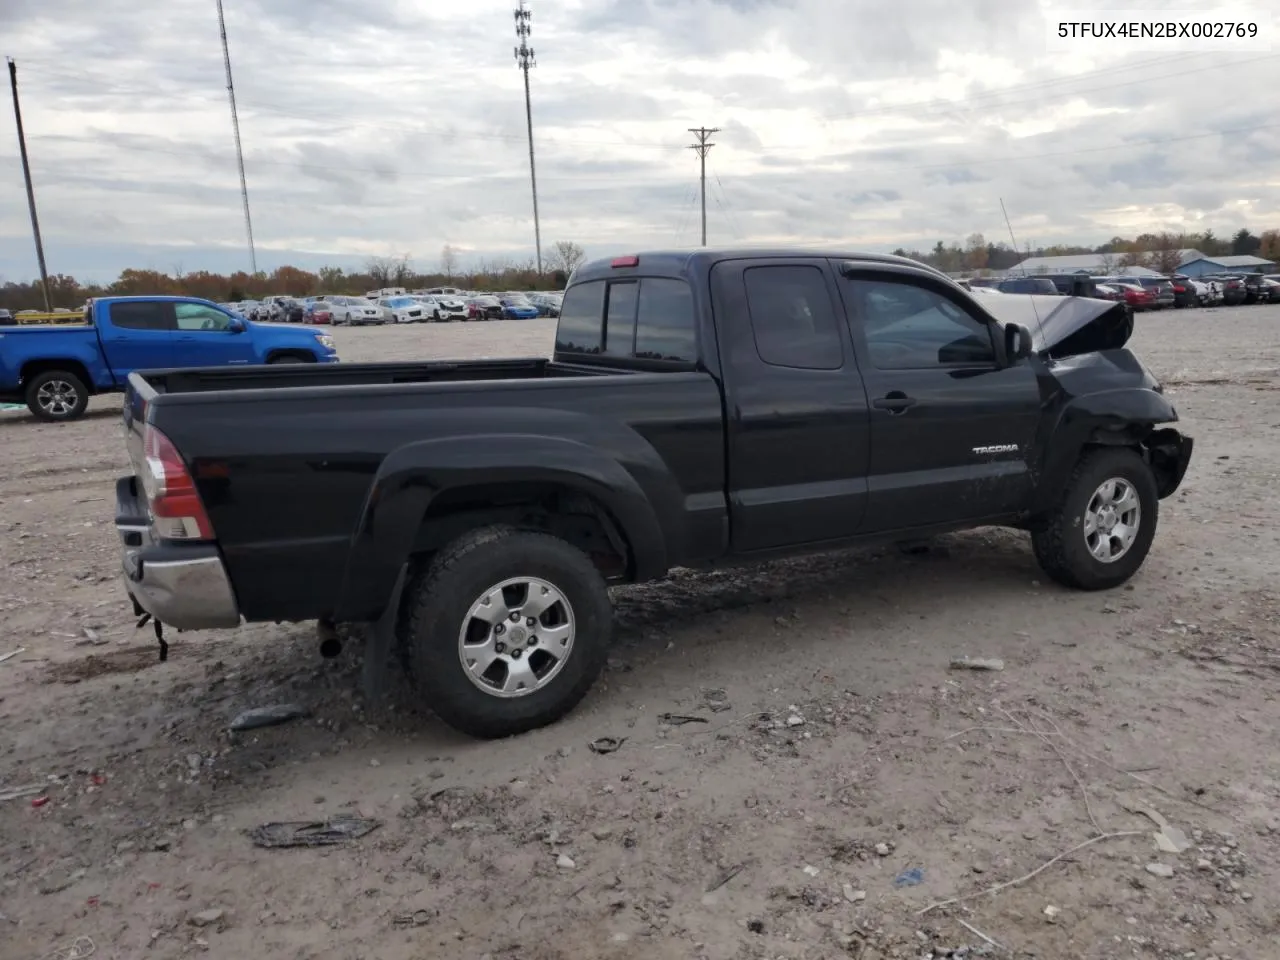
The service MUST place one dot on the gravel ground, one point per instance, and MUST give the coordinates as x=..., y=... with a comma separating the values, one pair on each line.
x=838, y=781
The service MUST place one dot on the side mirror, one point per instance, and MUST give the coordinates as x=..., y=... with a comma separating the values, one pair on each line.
x=1017, y=342
x=236, y=325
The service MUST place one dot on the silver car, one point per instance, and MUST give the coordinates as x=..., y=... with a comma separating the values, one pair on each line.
x=356, y=312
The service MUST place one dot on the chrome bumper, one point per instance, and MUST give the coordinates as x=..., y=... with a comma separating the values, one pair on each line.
x=184, y=586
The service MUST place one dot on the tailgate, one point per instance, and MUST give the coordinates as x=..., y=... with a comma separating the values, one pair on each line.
x=137, y=396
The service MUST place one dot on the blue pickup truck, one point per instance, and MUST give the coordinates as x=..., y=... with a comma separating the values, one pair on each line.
x=54, y=369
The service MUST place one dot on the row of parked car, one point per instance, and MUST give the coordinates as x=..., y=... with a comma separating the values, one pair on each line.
x=1146, y=293
x=419, y=307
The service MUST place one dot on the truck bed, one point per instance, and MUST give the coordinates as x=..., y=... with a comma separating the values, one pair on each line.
x=275, y=377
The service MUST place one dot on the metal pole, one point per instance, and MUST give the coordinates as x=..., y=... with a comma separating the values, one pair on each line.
x=524, y=60
x=31, y=193
x=235, y=126
x=533, y=172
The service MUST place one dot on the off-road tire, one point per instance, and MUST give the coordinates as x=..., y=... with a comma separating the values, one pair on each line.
x=77, y=408
x=437, y=597
x=1058, y=538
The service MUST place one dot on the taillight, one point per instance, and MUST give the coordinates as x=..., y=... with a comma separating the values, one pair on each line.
x=176, y=509
x=1179, y=289
x=631, y=261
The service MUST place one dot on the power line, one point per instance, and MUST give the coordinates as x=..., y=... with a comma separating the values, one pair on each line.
x=26, y=174
x=702, y=146
x=524, y=60
x=235, y=127
x=733, y=220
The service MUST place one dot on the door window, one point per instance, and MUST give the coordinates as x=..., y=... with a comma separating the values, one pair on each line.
x=141, y=315
x=908, y=327
x=194, y=316
x=792, y=318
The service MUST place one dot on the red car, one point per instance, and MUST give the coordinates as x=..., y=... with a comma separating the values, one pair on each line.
x=1140, y=298
x=318, y=313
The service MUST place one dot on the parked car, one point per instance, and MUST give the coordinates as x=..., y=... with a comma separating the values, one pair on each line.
x=441, y=308
x=518, y=308
x=317, y=312
x=1029, y=285
x=548, y=304
x=1136, y=296
x=6, y=318
x=485, y=308
x=359, y=312
x=1186, y=292
x=724, y=407
x=55, y=369
x=1068, y=284
x=403, y=310
x=1160, y=288
x=1234, y=290
x=1106, y=291
x=1270, y=290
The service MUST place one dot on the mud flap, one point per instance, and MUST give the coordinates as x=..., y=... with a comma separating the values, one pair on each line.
x=380, y=644
x=1169, y=453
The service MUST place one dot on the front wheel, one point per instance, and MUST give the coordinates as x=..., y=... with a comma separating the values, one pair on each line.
x=1102, y=528
x=287, y=358
x=506, y=630
x=56, y=396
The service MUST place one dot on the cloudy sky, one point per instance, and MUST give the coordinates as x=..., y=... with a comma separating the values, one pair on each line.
x=385, y=127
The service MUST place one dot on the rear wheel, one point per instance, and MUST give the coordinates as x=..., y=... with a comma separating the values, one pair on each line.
x=57, y=396
x=506, y=630
x=1102, y=528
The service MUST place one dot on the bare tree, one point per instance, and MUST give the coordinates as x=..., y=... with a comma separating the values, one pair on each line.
x=379, y=270
x=1108, y=264
x=448, y=261
x=566, y=255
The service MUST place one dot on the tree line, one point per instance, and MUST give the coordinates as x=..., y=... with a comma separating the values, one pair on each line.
x=1157, y=251
x=484, y=274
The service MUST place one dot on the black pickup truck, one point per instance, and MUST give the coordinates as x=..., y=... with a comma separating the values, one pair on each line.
x=699, y=408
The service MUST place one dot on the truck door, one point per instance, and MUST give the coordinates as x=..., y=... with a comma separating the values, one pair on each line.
x=796, y=411
x=951, y=426
x=135, y=335
x=205, y=338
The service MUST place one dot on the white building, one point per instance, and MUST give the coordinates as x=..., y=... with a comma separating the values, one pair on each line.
x=1092, y=264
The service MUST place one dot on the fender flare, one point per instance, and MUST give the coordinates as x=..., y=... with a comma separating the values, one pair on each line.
x=411, y=477
x=1122, y=417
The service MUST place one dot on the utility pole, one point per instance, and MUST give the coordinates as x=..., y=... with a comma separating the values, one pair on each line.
x=524, y=60
x=235, y=126
x=31, y=193
x=702, y=146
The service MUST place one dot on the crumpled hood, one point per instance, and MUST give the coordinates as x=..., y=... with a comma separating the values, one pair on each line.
x=1065, y=326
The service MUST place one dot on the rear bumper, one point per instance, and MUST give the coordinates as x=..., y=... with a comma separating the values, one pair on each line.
x=184, y=586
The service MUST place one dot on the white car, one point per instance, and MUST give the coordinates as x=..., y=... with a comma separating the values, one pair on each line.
x=354, y=311
x=988, y=292
x=443, y=308
x=403, y=310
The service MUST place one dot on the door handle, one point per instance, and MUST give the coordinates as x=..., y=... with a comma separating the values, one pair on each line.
x=895, y=401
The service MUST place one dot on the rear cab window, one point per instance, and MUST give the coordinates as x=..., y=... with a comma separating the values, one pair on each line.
x=632, y=318
x=141, y=314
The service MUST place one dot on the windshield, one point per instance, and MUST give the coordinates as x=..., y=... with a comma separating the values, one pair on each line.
x=518, y=302
x=402, y=302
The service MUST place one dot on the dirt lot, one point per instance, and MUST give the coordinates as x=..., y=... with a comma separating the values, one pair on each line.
x=835, y=762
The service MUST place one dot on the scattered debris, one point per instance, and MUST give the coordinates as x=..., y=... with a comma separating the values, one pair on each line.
x=267, y=716
x=716, y=699
x=725, y=876
x=606, y=744
x=852, y=895
x=38, y=802
x=755, y=925
x=1160, y=870
x=1169, y=839
x=909, y=878
x=978, y=933
x=965, y=663
x=565, y=862
x=12, y=654
x=419, y=918
x=16, y=793
x=883, y=849
x=680, y=719
x=1051, y=913
x=795, y=720
x=811, y=871
x=315, y=833
x=207, y=918
x=79, y=949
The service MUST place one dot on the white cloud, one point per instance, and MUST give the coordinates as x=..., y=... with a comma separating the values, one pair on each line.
x=377, y=128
